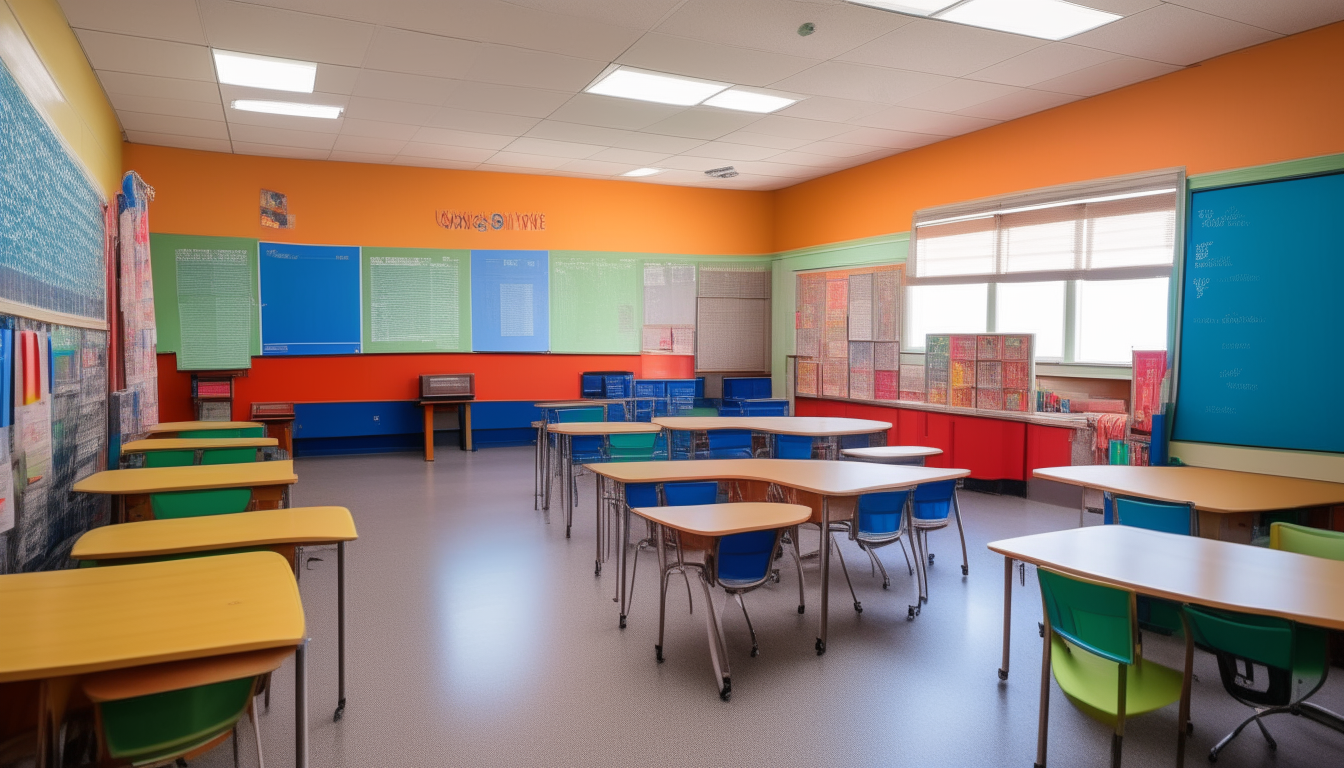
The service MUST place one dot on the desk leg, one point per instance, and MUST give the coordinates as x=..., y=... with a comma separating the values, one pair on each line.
x=567, y=465
x=825, y=570
x=1007, y=613
x=465, y=426
x=545, y=465
x=623, y=518
x=340, y=631
x=597, y=558
x=429, y=432
x=301, y=705
x=1183, y=719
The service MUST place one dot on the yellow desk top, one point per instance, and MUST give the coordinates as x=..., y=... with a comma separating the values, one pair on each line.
x=603, y=428
x=1211, y=490
x=828, y=478
x=1235, y=577
x=298, y=525
x=192, y=443
x=160, y=479
x=815, y=426
x=72, y=622
x=726, y=519
x=892, y=452
x=186, y=426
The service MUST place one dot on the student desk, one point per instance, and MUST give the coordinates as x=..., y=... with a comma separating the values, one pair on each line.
x=565, y=441
x=280, y=530
x=818, y=485
x=1185, y=569
x=713, y=521
x=828, y=427
x=463, y=408
x=63, y=624
x=541, y=488
x=196, y=444
x=1227, y=501
x=913, y=455
x=171, y=428
x=269, y=481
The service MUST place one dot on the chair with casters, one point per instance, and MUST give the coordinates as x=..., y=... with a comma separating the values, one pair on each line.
x=215, y=501
x=1092, y=647
x=1180, y=519
x=1270, y=664
x=728, y=443
x=880, y=520
x=228, y=455
x=932, y=505
x=155, y=715
x=170, y=458
x=793, y=446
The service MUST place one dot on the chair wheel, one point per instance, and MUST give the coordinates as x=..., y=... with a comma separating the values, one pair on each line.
x=1003, y=675
x=886, y=583
x=910, y=612
x=821, y=647
x=1040, y=629
x=622, y=622
x=1213, y=757
x=755, y=651
x=965, y=571
x=1189, y=727
x=930, y=558
x=658, y=653
x=800, y=608
x=858, y=607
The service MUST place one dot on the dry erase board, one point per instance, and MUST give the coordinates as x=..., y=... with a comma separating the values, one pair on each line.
x=1261, y=360
x=309, y=299
x=510, y=301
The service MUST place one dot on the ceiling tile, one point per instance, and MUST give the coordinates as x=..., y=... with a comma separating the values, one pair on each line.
x=1123, y=7
x=1174, y=35
x=364, y=108
x=377, y=130
x=754, y=139
x=461, y=138
x=582, y=134
x=1044, y=63
x=445, y=152
x=781, y=170
x=185, y=142
x=532, y=69
x=1285, y=16
x=482, y=122
x=772, y=25
x=610, y=112
x=697, y=58
x=633, y=157
x=598, y=167
x=396, y=86
x=693, y=163
x=175, y=107
x=1023, y=102
x=703, y=123
x=273, y=150
x=836, y=149
x=816, y=161
x=340, y=156
x=652, y=142
x=921, y=121
x=396, y=50
x=726, y=151
x=861, y=82
x=549, y=148
x=161, y=19
x=180, y=126
x=429, y=162
x=159, y=87
x=796, y=128
x=505, y=99
x=521, y=160
x=880, y=137
x=272, y=32
x=541, y=30
x=280, y=137
x=941, y=48
x=638, y=15
x=142, y=56
x=368, y=145
x=1106, y=76
x=832, y=109
x=958, y=95
x=333, y=78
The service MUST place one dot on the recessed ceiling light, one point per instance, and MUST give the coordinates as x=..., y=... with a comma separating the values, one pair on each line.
x=643, y=172
x=1048, y=19
x=748, y=101
x=913, y=7
x=288, y=108
x=265, y=72
x=651, y=86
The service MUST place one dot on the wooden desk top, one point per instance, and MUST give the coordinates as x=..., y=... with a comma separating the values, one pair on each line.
x=72, y=622
x=726, y=519
x=298, y=525
x=815, y=426
x=186, y=426
x=603, y=428
x=121, y=482
x=552, y=404
x=1211, y=490
x=891, y=452
x=828, y=478
x=192, y=443
x=1235, y=577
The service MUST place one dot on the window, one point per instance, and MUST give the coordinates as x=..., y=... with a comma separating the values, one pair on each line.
x=1085, y=267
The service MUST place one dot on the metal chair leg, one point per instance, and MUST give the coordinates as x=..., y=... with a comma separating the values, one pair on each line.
x=256, y=734
x=956, y=509
x=1042, y=726
x=798, y=563
x=236, y=763
x=858, y=607
x=1254, y=718
x=755, y=648
x=872, y=554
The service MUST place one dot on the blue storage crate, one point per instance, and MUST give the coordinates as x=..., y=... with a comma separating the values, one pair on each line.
x=731, y=408
x=618, y=386
x=650, y=388
x=746, y=388
x=590, y=385
x=700, y=386
x=681, y=389
x=763, y=407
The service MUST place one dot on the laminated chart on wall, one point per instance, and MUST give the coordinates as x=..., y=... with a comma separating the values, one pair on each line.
x=733, y=317
x=596, y=302
x=309, y=299
x=861, y=307
x=1260, y=362
x=510, y=301
x=669, y=308
x=416, y=300
x=218, y=318
x=809, y=316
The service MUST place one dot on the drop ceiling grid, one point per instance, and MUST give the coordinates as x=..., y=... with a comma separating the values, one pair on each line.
x=496, y=85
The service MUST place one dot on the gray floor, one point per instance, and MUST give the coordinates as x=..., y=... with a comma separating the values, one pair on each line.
x=480, y=637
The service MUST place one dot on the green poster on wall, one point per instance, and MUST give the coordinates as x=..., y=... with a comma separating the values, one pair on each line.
x=205, y=300
x=416, y=300
x=597, y=302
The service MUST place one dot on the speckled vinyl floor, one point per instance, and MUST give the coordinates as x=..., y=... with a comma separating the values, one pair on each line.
x=480, y=637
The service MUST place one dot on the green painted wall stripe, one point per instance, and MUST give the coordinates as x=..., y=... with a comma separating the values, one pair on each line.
x=1305, y=167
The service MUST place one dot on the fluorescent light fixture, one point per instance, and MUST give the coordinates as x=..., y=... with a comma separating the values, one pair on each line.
x=288, y=108
x=912, y=7
x=748, y=101
x=1048, y=19
x=643, y=172
x=651, y=86
x=265, y=72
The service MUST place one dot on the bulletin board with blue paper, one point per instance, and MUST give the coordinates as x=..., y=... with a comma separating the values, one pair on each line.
x=309, y=299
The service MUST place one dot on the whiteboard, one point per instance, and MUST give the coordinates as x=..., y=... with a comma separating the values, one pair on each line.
x=510, y=301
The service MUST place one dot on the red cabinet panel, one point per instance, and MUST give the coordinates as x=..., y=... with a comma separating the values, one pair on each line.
x=911, y=427
x=1048, y=447
x=939, y=432
x=993, y=449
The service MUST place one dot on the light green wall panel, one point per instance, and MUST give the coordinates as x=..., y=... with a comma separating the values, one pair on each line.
x=416, y=300
x=597, y=302
x=208, y=336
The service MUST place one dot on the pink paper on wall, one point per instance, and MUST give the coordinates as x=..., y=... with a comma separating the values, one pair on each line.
x=1149, y=369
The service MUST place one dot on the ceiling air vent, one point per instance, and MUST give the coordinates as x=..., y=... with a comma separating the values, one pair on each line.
x=726, y=172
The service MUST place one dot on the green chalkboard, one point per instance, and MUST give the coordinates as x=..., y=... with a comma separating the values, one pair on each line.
x=205, y=300
x=416, y=300
x=597, y=302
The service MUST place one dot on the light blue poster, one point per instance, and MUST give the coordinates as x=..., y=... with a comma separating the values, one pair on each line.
x=510, y=301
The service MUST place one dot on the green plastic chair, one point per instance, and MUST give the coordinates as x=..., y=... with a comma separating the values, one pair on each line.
x=228, y=455
x=631, y=447
x=1091, y=644
x=169, y=458
x=700, y=412
x=216, y=501
x=241, y=432
x=1180, y=519
x=1270, y=664
x=1307, y=541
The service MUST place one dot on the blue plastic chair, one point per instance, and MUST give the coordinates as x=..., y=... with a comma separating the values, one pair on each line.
x=1180, y=519
x=879, y=521
x=931, y=508
x=690, y=493
x=793, y=447
x=729, y=443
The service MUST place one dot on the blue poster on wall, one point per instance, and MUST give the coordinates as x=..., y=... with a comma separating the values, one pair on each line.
x=309, y=299
x=510, y=301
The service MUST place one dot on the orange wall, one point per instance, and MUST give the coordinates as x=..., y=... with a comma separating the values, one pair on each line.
x=1276, y=101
